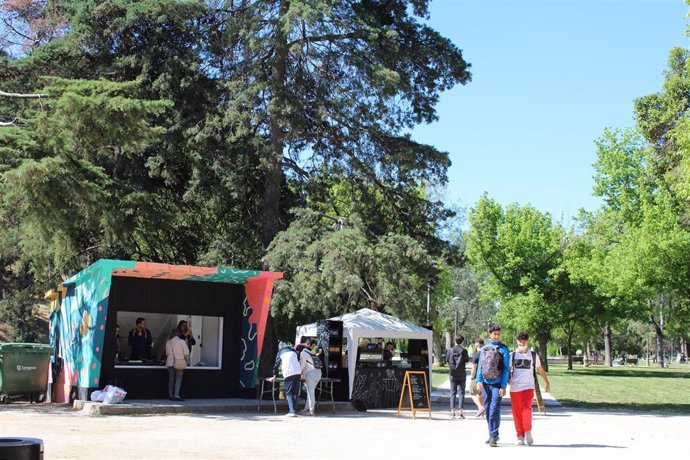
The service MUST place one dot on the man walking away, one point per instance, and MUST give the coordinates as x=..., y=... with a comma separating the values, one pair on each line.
x=524, y=365
x=493, y=372
x=288, y=362
x=457, y=358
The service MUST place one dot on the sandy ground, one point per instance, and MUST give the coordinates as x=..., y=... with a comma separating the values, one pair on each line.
x=562, y=434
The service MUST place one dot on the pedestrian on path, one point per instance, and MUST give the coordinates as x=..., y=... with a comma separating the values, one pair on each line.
x=457, y=359
x=524, y=365
x=493, y=372
x=474, y=393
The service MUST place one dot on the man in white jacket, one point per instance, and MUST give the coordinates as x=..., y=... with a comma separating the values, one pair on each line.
x=177, y=353
x=287, y=360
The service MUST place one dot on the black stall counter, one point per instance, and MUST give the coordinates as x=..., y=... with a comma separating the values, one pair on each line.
x=379, y=387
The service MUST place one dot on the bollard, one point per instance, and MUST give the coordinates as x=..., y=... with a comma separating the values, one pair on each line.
x=21, y=449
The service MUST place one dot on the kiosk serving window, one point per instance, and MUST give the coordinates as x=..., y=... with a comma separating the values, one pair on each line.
x=207, y=332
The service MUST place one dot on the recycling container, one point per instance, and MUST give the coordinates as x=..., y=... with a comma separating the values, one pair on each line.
x=24, y=370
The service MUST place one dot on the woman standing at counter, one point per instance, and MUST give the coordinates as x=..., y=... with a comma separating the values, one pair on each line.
x=176, y=352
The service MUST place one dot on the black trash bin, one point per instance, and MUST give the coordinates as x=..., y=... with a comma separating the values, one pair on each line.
x=21, y=449
x=24, y=370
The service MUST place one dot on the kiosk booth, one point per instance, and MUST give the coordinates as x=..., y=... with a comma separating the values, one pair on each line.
x=374, y=377
x=226, y=310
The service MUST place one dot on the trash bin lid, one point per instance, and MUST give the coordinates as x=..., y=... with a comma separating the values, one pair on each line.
x=30, y=347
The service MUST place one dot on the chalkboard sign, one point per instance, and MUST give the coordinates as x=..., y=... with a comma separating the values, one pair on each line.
x=415, y=393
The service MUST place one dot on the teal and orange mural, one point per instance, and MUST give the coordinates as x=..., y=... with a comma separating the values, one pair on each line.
x=79, y=310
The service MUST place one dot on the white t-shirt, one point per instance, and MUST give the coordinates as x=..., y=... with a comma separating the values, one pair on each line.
x=289, y=363
x=523, y=372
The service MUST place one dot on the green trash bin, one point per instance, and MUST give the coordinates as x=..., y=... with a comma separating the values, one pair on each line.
x=24, y=370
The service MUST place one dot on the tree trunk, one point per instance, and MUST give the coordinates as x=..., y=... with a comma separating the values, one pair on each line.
x=607, y=345
x=274, y=170
x=569, y=333
x=659, y=341
x=437, y=351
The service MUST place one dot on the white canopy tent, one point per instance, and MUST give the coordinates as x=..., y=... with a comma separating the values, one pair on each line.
x=369, y=323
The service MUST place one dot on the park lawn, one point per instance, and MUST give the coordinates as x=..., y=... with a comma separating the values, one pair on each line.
x=438, y=376
x=637, y=389
x=624, y=388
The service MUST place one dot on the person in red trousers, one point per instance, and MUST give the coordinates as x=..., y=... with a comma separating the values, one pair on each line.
x=524, y=365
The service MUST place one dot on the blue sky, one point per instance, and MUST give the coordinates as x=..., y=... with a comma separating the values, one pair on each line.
x=547, y=77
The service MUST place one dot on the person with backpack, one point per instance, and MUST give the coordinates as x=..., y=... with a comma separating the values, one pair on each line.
x=311, y=367
x=457, y=358
x=524, y=365
x=493, y=372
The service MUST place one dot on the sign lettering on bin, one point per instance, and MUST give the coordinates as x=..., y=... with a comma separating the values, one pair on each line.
x=25, y=368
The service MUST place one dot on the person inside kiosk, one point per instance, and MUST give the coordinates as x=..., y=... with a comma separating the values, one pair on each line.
x=146, y=342
x=410, y=354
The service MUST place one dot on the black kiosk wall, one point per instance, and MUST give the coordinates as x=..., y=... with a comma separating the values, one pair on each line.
x=329, y=336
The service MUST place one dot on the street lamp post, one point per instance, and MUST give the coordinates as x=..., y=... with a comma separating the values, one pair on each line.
x=428, y=296
x=455, y=299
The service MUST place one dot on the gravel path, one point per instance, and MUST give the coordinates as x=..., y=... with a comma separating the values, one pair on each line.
x=562, y=434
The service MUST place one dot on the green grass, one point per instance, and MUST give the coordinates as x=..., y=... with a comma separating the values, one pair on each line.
x=618, y=388
x=438, y=376
x=638, y=389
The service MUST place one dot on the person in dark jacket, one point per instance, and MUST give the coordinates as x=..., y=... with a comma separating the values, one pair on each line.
x=457, y=358
x=186, y=334
x=141, y=341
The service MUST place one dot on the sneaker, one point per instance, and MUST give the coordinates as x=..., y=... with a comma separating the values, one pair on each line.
x=528, y=438
x=480, y=413
x=493, y=442
x=488, y=441
x=291, y=414
x=452, y=415
x=462, y=416
x=520, y=441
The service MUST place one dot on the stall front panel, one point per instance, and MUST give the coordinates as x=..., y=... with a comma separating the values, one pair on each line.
x=162, y=303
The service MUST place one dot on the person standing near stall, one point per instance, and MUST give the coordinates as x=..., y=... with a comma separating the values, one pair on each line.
x=457, y=358
x=176, y=356
x=288, y=362
x=310, y=367
x=493, y=372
